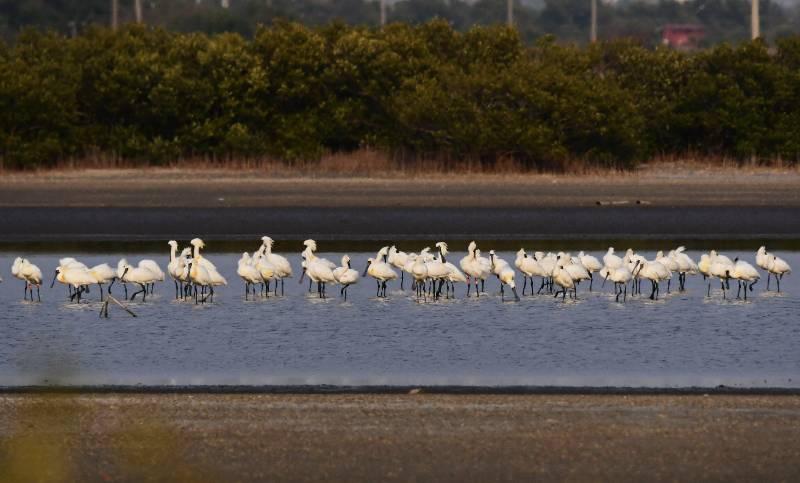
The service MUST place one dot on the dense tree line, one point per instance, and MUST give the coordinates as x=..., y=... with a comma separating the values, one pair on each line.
x=567, y=20
x=295, y=92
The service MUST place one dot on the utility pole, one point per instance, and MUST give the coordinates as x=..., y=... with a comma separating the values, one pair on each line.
x=755, y=21
x=510, y=13
x=137, y=7
x=593, y=28
x=383, y=13
x=114, y=14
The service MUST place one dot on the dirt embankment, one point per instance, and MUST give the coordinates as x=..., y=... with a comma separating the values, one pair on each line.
x=399, y=438
x=213, y=188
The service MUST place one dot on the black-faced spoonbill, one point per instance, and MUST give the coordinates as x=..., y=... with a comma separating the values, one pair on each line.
x=380, y=270
x=103, y=274
x=139, y=275
x=28, y=273
x=345, y=275
x=563, y=279
x=282, y=267
x=620, y=276
x=778, y=267
x=248, y=273
x=743, y=273
x=78, y=278
x=399, y=260
x=504, y=273
x=592, y=265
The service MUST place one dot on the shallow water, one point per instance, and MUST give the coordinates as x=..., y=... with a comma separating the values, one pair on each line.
x=684, y=339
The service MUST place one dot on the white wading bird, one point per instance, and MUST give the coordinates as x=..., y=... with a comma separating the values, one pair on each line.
x=79, y=278
x=563, y=279
x=249, y=273
x=380, y=270
x=281, y=267
x=28, y=273
x=653, y=271
x=743, y=273
x=778, y=267
x=213, y=278
x=611, y=262
x=345, y=275
x=438, y=271
x=139, y=275
x=473, y=267
x=686, y=266
x=103, y=274
x=504, y=273
x=398, y=260
x=719, y=267
x=311, y=247
x=177, y=267
x=419, y=272
x=155, y=270
x=318, y=269
x=529, y=268
x=592, y=265
x=548, y=264
x=620, y=276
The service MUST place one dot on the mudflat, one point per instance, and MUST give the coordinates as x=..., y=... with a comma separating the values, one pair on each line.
x=378, y=437
x=253, y=189
x=159, y=203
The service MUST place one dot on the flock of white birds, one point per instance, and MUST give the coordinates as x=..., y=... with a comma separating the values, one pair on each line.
x=430, y=272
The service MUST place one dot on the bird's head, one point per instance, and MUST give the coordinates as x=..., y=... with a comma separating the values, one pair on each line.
x=196, y=242
x=58, y=272
x=172, y=243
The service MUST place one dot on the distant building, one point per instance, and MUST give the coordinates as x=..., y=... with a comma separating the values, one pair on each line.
x=683, y=36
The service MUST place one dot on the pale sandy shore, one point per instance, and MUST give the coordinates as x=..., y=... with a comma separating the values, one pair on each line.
x=203, y=437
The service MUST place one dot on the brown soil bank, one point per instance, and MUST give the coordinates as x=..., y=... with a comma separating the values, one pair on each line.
x=158, y=204
x=399, y=438
x=252, y=189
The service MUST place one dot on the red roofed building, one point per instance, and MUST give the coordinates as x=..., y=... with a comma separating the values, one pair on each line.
x=683, y=36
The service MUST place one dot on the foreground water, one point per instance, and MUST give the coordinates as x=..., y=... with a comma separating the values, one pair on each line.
x=684, y=339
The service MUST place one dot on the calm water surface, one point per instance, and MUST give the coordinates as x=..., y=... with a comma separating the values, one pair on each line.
x=685, y=339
